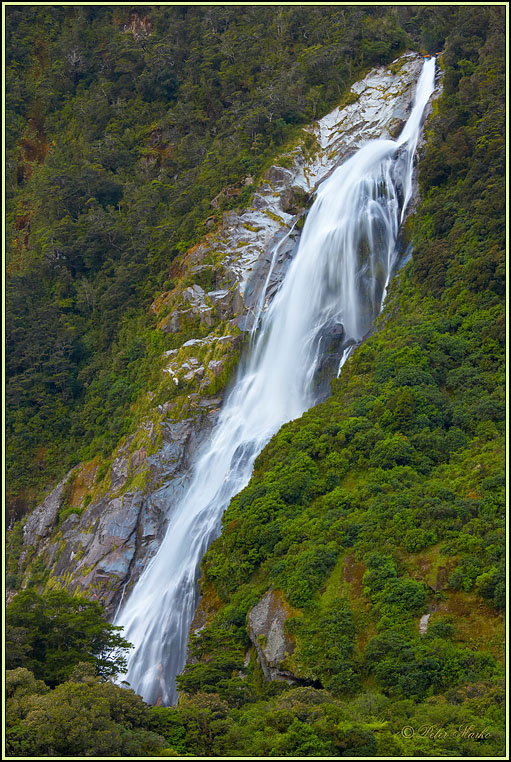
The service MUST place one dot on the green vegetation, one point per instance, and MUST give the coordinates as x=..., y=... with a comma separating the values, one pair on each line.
x=382, y=504
x=52, y=633
x=80, y=717
x=122, y=126
x=386, y=502
x=61, y=655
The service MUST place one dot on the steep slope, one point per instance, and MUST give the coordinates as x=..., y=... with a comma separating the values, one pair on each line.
x=352, y=605
x=365, y=560
x=127, y=130
x=101, y=524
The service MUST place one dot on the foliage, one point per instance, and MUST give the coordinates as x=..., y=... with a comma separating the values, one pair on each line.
x=50, y=634
x=325, y=649
x=122, y=127
x=382, y=504
x=399, y=473
x=80, y=717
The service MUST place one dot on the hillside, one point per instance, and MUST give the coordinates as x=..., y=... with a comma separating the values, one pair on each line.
x=352, y=605
x=122, y=128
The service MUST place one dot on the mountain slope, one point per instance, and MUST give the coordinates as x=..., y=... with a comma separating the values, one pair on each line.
x=124, y=127
x=364, y=561
x=376, y=520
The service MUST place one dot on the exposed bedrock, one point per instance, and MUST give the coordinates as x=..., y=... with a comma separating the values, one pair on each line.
x=225, y=284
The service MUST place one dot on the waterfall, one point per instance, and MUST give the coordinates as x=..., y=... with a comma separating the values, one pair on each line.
x=333, y=290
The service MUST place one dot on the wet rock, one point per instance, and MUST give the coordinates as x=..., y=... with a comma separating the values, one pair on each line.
x=195, y=295
x=174, y=322
x=294, y=200
x=245, y=323
x=210, y=402
x=266, y=631
x=216, y=366
x=221, y=300
x=194, y=373
x=111, y=542
x=278, y=176
x=258, y=201
x=119, y=472
x=70, y=523
x=193, y=298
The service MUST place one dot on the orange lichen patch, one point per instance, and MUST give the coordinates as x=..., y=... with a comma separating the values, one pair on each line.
x=22, y=221
x=158, y=151
x=278, y=598
x=353, y=573
x=20, y=243
x=16, y=506
x=193, y=249
x=83, y=482
x=163, y=150
x=35, y=148
x=16, y=254
x=140, y=26
x=158, y=147
x=476, y=624
x=430, y=566
x=162, y=300
x=209, y=605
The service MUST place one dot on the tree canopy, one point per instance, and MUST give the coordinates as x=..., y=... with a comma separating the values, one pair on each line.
x=51, y=633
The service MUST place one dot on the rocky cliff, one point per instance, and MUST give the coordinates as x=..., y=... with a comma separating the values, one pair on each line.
x=99, y=527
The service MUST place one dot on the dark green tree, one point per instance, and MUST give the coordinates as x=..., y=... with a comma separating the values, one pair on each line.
x=51, y=633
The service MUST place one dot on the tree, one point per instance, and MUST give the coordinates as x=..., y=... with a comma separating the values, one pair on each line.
x=59, y=630
x=82, y=717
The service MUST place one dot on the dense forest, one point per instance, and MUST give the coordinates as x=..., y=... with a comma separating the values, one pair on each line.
x=122, y=126
x=383, y=502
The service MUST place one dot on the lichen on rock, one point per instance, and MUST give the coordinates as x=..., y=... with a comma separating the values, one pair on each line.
x=266, y=622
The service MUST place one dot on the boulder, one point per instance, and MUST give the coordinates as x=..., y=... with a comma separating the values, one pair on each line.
x=279, y=176
x=266, y=631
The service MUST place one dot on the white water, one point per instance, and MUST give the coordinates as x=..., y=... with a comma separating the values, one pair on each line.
x=339, y=276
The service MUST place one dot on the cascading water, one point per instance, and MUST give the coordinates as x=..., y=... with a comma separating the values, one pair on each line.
x=334, y=287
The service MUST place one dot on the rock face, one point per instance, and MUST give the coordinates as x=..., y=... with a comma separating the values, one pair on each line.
x=252, y=249
x=104, y=549
x=266, y=630
x=423, y=624
x=41, y=521
x=225, y=285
